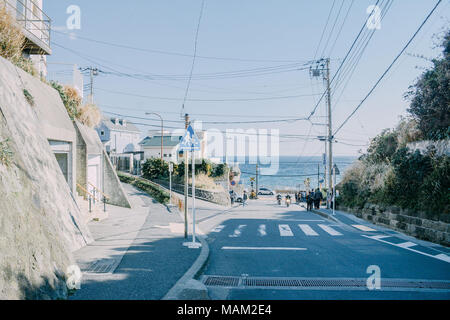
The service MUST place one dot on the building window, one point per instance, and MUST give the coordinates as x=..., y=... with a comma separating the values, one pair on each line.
x=165, y=155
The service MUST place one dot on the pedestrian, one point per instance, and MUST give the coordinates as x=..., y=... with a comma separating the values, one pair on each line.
x=232, y=197
x=309, y=200
x=318, y=197
x=296, y=198
x=244, y=199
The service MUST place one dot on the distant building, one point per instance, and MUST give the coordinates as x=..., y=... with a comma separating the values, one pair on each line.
x=35, y=25
x=119, y=136
x=151, y=147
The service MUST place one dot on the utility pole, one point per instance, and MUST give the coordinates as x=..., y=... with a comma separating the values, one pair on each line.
x=186, y=182
x=330, y=134
x=257, y=180
x=318, y=176
x=92, y=72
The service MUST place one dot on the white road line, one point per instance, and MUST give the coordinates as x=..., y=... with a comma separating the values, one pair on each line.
x=363, y=228
x=264, y=248
x=378, y=237
x=308, y=230
x=441, y=256
x=237, y=233
x=262, y=230
x=218, y=229
x=285, y=230
x=406, y=244
x=330, y=230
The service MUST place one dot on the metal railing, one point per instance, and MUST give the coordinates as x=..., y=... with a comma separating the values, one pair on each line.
x=97, y=190
x=30, y=17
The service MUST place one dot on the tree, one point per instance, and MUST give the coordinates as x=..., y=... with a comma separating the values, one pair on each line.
x=155, y=168
x=430, y=97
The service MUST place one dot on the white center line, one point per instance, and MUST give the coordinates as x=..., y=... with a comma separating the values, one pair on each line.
x=264, y=248
x=330, y=230
x=237, y=233
x=262, y=230
x=308, y=230
x=285, y=230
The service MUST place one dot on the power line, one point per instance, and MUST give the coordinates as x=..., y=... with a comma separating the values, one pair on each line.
x=340, y=29
x=332, y=29
x=171, y=53
x=389, y=68
x=325, y=29
x=345, y=59
x=206, y=100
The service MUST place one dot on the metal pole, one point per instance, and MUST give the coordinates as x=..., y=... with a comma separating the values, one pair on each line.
x=330, y=130
x=257, y=180
x=186, y=181
x=193, y=197
x=334, y=191
x=318, y=176
x=170, y=184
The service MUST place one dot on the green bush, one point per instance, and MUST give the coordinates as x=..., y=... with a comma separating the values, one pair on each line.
x=157, y=193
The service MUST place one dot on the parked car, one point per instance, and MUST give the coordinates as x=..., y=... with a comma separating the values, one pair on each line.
x=265, y=192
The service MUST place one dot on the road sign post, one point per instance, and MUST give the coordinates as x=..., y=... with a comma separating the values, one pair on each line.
x=191, y=143
x=170, y=182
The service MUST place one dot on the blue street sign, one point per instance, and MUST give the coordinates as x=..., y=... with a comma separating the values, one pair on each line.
x=190, y=141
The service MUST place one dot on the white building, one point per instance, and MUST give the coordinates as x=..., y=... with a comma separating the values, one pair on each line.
x=119, y=136
x=35, y=25
x=151, y=146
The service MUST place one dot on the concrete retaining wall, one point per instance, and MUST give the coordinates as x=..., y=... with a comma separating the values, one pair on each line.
x=40, y=222
x=401, y=220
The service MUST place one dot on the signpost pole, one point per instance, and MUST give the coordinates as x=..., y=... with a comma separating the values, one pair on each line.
x=170, y=181
x=193, y=198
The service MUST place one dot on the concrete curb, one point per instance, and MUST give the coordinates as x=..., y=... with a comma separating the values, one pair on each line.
x=325, y=215
x=187, y=288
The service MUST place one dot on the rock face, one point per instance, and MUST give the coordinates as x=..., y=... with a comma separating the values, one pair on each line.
x=40, y=222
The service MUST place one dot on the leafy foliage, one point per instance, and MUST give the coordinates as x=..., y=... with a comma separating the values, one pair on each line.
x=12, y=42
x=29, y=97
x=430, y=97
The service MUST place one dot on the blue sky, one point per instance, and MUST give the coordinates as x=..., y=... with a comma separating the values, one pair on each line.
x=242, y=35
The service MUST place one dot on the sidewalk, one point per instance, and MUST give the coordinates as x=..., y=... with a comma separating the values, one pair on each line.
x=137, y=253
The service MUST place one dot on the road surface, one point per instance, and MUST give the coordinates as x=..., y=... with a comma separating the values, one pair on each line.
x=267, y=251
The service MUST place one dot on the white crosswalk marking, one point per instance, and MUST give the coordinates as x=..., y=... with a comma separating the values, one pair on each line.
x=262, y=230
x=406, y=245
x=218, y=229
x=285, y=230
x=308, y=230
x=330, y=230
x=237, y=233
x=363, y=228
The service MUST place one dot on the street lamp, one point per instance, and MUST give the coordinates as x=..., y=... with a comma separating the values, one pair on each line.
x=162, y=130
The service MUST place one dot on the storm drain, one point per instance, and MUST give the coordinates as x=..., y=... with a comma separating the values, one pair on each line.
x=315, y=283
x=100, y=266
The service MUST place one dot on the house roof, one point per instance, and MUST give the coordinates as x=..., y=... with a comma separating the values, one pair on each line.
x=155, y=141
x=109, y=122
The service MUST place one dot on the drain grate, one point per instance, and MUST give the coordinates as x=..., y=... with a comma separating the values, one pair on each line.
x=317, y=283
x=222, y=281
x=100, y=266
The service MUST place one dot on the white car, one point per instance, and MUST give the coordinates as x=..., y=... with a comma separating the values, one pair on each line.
x=265, y=192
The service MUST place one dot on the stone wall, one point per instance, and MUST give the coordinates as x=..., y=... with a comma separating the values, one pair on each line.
x=436, y=230
x=40, y=222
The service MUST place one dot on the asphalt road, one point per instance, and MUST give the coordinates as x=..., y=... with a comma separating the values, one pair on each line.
x=267, y=241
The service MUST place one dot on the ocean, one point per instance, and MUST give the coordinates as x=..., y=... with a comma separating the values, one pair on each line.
x=292, y=172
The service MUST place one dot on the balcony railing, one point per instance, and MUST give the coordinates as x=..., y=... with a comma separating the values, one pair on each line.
x=34, y=22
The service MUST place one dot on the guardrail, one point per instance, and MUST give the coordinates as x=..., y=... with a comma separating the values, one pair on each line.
x=30, y=17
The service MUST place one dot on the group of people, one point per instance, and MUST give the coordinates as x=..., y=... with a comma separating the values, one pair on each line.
x=313, y=198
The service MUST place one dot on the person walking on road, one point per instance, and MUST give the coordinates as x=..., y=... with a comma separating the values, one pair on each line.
x=309, y=200
x=244, y=199
x=318, y=197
